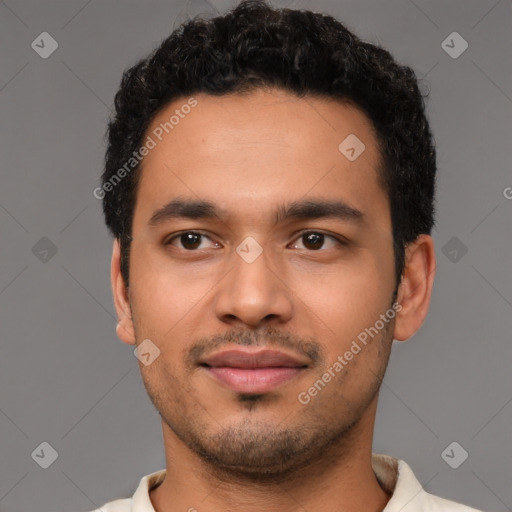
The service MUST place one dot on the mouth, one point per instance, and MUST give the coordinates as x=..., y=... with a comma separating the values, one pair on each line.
x=252, y=372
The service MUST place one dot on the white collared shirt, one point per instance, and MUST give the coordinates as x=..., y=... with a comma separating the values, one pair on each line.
x=394, y=476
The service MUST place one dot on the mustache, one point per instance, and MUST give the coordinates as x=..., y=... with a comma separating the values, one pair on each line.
x=268, y=337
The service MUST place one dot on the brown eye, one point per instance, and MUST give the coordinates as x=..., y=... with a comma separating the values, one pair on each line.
x=189, y=240
x=315, y=240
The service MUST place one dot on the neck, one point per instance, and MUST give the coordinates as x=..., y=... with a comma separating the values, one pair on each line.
x=341, y=479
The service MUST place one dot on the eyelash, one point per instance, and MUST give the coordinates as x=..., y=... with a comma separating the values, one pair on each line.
x=339, y=241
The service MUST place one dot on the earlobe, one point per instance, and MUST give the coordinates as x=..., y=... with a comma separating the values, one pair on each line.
x=415, y=288
x=124, y=329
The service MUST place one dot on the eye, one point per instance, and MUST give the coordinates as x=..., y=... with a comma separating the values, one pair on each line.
x=189, y=240
x=315, y=240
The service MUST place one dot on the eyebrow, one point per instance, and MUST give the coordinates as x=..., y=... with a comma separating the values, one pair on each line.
x=297, y=210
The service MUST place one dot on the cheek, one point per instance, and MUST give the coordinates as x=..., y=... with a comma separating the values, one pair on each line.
x=164, y=291
x=352, y=291
x=347, y=297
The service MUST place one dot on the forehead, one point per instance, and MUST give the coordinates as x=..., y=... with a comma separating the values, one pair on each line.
x=256, y=151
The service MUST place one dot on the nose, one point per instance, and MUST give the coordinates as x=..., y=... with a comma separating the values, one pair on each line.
x=254, y=294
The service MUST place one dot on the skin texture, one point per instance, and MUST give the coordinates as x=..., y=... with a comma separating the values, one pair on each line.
x=250, y=154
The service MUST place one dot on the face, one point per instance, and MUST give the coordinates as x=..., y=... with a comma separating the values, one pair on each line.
x=253, y=293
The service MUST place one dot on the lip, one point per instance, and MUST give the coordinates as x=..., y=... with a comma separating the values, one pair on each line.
x=246, y=371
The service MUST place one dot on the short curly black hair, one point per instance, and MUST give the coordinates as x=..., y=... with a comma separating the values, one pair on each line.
x=257, y=46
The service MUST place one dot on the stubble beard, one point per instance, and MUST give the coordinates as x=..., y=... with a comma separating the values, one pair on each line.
x=255, y=450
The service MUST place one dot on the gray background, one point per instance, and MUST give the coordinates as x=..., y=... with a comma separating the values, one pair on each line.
x=67, y=380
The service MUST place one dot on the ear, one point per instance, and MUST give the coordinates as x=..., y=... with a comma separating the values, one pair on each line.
x=124, y=329
x=415, y=287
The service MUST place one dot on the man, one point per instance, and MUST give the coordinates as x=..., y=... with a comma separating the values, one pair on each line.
x=269, y=183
